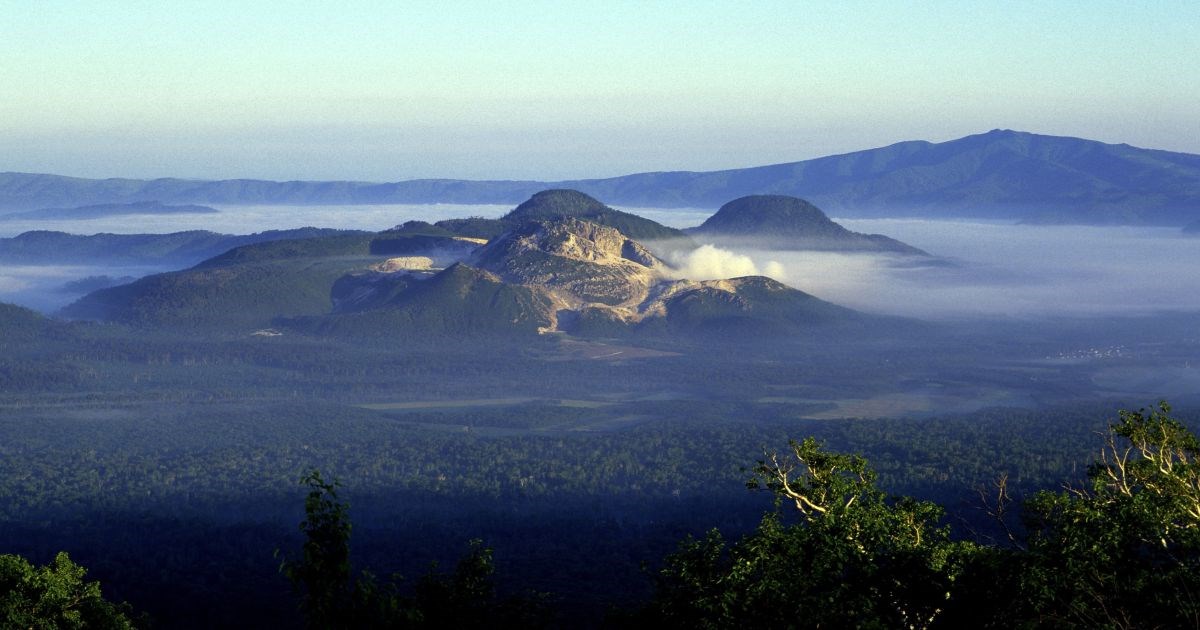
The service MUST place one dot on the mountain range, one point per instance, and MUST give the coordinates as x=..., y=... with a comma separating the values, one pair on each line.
x=108, y=210
x=1001, y=174
x=44, y=247
x=555, y=270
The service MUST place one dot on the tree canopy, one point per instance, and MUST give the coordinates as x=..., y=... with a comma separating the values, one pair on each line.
x=54, y=596
x=1122, y=552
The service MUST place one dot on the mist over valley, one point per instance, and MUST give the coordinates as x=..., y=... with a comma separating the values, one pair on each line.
x=994, y=269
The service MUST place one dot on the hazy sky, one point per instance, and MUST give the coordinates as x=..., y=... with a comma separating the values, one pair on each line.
x=546, y=90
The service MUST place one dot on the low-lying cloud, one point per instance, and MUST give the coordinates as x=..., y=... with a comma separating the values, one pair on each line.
x=709, y=262
x=1005, y=270
x=993, y=270
x=999, y=270
x=41, y=287
x=257, y=218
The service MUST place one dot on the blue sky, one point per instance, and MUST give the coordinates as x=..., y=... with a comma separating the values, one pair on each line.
x=548, y=90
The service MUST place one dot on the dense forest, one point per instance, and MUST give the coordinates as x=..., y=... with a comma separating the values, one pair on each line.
x=1117, y=548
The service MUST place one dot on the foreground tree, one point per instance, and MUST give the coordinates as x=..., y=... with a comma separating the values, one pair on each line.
x=54, y=596
x=851, y=557
x=1122, y=552
x=322, y=574
x=331, y=598
x=1125, y=550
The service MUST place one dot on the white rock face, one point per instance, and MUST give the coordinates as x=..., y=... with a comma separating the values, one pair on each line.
x=468, y=239
x=578, y=262
x=403, y=263
x=584, y=266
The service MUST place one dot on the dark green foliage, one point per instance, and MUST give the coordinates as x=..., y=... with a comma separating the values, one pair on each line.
x=18, y=323
x=366, y=290
x=94, y=283
x=792, y=223
x=322, y=575
x=458, y=301
x=475, y=227
x=405, y=244
x=54, y=596
x=758, y=298
x=234, y=297
x=418, y=228
x=761, y=307
x=253, y=285
x=355, y=244
x=855, y=558
x=558, y=204
x=330, y=599
x=1124, y=551
x=549, y=205
x=172, y=459
x=762, y=215
x=178, y=248
x=27, y=344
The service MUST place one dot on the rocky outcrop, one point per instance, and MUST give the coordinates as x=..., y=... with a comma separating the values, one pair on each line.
x=577, y=262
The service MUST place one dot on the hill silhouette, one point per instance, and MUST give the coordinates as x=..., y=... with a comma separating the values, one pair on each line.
x=562, y=204
x=783, y=222
x=1001, y=174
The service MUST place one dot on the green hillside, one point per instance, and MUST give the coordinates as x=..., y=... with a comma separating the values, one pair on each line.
x=792, y=223
x=459, y=301
x=559, y=204
x=233, y=296
x=292, y=249
x=19, y=324
x=182, y=248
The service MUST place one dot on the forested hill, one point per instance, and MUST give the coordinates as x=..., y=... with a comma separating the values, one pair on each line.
x=791, y=223
x=1000, y=174
x=182, y=248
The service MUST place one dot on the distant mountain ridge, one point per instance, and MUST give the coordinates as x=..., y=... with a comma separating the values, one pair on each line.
x=1000, y=174
x=109, y=210
x=181, y=248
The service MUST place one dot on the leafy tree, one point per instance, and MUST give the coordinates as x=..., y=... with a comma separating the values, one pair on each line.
x=54, y=596
x=323, y=573
x=331, y=599
x=854, y=557
x=1122, y=552
x=1125, y=550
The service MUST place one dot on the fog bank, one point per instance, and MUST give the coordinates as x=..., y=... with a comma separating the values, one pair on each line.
x=996, y=270
x=1005, y=270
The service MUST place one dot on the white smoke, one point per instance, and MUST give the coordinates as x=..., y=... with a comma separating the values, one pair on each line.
x=709, y=262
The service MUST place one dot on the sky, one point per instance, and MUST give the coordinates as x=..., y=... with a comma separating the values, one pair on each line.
x=385, y=91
